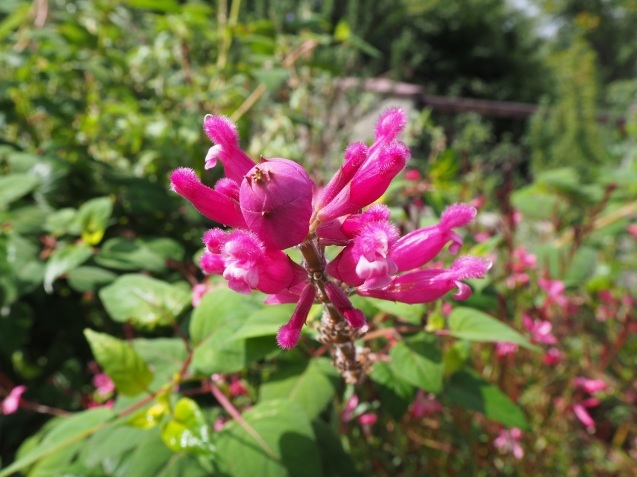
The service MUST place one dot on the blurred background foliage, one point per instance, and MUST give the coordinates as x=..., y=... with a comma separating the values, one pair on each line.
x=100, y=99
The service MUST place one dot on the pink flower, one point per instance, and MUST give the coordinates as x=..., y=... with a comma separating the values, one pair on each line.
x=237, y=388
x=552, y=357
x=591, y=386
x=482, y=237
x=198, y=292
x=424, y=404
x=503, y=349
x=424, y=286
x=581, y=412
x=273, y=205
x=555, y=292
x=508, y=441
x=276, y=202
x=632, y=230
x=367, y=419
x=413, y=175
x=103, y=384
x=11, y=403
x=350, y=406
x=541, y=330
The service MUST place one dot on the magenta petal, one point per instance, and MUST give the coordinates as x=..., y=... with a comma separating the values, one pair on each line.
x=582, y=414
x=276, y=201
x=213, y=204
x=223, y=132
x=212, y=263
x=355, y=155
x=337, y=297
x=390, y=124
x=278, y=272
x=12, y=402
x=289, y=334
x=343, y=267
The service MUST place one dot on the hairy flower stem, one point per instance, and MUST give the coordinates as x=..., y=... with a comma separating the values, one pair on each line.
x=334, y=331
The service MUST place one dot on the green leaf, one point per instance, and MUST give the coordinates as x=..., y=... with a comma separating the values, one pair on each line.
x=418, y=361
x=144, y=301
x=15, y=326
x=214, y=322
x=467, y=389
x=91, y=220
x=122, y=254
x=166, y=6
x=187, y=431
x=65, y=432
x=411, y=313
x=14, y=186
x=121, y=362
x=395, y=393
x=265, y=322
x=473, y=325
x=582, y=266
x=63, y=260
x=151, y=458
x=334, y=459
x=85, y=279
x=109, y=445
x=58, y=222
x=311, y=384
x=281, y=443
x=166, y=356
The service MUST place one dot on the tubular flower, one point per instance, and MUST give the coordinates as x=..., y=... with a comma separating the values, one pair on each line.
x=273, y=205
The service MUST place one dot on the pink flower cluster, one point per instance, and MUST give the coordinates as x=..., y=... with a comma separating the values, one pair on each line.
x=274, y=205
x=580, y=408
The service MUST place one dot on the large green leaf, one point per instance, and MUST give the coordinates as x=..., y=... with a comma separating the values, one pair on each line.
x=187, y=430
x=63, y=260
x=121, y=362
x=311, y=384
x=473, y=325
x=64, y=433
x=218, y=317
x=469, y=390
x=395, y=393
x=144, y=301
x=84, y=279
x=281, y=444
x=418, y=361
x=14, y=186
x=165, y=356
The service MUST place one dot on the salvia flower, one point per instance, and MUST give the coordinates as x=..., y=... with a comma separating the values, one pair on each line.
x=273, y=204
x=11, y=403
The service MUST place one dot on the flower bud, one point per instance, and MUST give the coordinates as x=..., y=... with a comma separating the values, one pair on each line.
x=276, y=202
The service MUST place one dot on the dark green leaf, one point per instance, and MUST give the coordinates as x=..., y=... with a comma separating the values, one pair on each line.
x=411, y=313
x=336, y=461
x=469, y=390
x=396, y=394
x=122, y=254
x=121, y=362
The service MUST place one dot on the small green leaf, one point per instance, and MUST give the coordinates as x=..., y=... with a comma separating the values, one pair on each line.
x=187, y=431
x=144, y=301
x=311, y=384
x=467, y=389
x=58, y=222
x=418, y=361
x=473, y=325
x=281, y=443
x=14, y=186
x=121, y=362
x=91, y=220
x=63, y=260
